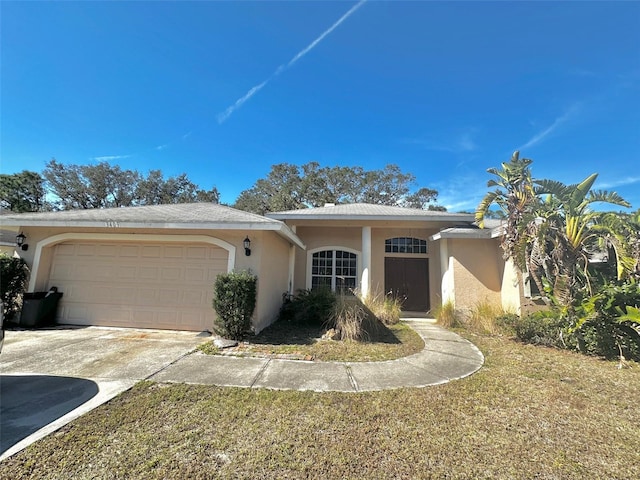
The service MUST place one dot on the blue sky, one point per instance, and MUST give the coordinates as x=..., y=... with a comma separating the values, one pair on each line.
x=223, y=90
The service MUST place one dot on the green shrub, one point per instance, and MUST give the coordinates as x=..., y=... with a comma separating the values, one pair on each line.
x=546, y=327
x=309, y=307
x=604, y=323
x=234, y=301
x=506, y=322
x=13, y=283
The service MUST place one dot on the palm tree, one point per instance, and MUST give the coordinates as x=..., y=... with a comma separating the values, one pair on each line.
x=567, y=231
x=514, y=195
x=550, y=230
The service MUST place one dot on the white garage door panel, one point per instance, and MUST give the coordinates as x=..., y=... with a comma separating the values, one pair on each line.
x=137, y=285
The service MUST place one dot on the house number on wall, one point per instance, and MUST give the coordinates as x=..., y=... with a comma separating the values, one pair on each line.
x=111, y=224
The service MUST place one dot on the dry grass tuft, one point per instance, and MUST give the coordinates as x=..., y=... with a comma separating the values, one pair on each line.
x=385, y=307
x=347, y=317
x=447, y=315
x=482, y=318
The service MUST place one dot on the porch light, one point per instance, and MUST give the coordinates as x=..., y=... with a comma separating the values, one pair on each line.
x=20, y=238
x=247, y=246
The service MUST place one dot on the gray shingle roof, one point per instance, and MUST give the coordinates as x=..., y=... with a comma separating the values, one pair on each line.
x=207, y=216
x=182, y=213
x=367, y=211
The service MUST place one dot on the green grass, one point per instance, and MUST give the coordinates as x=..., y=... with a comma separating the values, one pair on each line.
x=304, y=341
x=531, y=412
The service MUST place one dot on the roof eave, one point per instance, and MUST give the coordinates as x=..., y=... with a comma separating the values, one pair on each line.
x=469, y=234
x=277, y=226
x=415, y=218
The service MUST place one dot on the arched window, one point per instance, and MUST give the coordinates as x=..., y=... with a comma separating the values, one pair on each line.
x=335, y=269
x=405, y=245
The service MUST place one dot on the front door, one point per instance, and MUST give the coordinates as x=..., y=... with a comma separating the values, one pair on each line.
x=408, y=280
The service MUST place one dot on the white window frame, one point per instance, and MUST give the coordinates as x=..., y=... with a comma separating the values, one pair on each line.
x=333, y=248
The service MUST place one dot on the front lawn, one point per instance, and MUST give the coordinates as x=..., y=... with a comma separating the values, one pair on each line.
x=530, y=412
x=289, y=340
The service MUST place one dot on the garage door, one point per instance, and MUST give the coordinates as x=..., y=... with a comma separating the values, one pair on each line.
x=150, y=285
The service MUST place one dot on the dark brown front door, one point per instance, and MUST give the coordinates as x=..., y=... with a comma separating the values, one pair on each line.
x=408, y=279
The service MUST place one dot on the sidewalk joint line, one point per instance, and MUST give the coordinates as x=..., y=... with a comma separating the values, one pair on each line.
x=351, y=378
x=260, y=372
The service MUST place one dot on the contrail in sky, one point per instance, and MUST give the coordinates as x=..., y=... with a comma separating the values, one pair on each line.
x=227, y=113
x=537, y=138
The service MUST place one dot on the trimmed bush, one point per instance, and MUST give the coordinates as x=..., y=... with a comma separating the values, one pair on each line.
x=13, y=283
x=234, y=301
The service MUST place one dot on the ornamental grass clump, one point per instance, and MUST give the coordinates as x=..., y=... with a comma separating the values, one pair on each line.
x=347, y=319
x=353, y=320
x=234, y=301
x=447, y=315
x=385, y=307
x=481, y=318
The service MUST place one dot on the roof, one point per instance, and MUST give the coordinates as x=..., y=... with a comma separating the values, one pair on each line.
x=490, y=231
x=208, y=216
x=368, y=211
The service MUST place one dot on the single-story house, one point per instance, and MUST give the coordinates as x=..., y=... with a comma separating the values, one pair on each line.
x=154, y=266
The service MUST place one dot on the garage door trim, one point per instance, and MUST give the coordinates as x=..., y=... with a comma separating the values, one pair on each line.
x=135, y=237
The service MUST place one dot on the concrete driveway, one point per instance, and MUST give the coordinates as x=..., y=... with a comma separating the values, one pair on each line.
x=51, y=376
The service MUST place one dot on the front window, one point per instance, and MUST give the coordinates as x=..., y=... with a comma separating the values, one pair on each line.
x=335, y=269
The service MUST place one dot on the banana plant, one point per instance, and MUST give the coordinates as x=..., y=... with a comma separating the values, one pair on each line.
x=575, y=228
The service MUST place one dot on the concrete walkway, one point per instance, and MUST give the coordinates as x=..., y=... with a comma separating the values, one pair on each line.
x=446, y=357
x=49, y=377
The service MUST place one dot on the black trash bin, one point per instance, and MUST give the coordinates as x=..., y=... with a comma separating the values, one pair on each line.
x=39, y=308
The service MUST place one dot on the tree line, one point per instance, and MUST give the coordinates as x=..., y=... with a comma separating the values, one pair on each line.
x=286, y=187
x=65, y=187
x=291, y=187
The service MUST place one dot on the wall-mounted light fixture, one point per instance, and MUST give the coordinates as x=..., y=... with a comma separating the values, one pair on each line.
x=20, y=238
x=247, y=246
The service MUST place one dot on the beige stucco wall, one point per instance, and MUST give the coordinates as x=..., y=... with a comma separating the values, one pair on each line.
x=321, y=237
x=269, y=251
x=477, y=272
x=273, y=276
x=328, y=235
